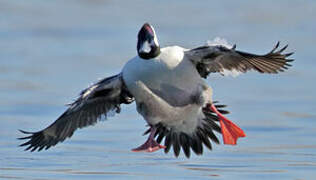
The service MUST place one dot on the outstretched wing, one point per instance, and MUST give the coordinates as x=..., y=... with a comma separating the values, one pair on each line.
x=225, y=60
x=93, y=102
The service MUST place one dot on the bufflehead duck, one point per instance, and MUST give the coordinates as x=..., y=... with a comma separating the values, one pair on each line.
x=170, y=93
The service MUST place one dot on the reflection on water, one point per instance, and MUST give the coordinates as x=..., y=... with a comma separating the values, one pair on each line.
x=50, y=50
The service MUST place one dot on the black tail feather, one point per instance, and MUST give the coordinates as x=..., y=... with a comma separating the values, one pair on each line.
x=195, y=141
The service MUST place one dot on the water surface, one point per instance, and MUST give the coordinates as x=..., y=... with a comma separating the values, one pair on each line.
x=50, y=50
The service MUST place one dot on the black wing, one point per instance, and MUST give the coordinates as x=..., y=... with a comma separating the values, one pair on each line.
x=93, y=102
x=210, y=59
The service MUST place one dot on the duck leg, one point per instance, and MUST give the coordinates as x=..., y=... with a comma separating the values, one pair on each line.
x=230, y=131
x=151, y=144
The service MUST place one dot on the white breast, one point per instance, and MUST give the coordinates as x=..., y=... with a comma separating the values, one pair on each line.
x=170, y=69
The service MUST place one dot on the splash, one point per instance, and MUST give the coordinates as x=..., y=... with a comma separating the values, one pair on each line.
x=223, y=42
x=219, y=41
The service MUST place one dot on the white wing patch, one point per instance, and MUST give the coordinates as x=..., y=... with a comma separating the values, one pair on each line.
x=89, y=91
x=219, y=41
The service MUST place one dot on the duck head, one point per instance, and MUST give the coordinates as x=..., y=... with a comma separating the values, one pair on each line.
x=147, y=45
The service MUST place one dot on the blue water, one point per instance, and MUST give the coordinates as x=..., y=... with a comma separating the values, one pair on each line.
x=50, y=50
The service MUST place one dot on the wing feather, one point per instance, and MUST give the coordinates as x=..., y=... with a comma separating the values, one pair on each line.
x=210, y=59
x=93, y=102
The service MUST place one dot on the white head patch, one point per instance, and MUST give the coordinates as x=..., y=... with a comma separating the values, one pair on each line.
x=145, y=47
x=155, y=37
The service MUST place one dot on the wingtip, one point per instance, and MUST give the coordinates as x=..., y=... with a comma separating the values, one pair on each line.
x=22, y=138
x=234, y=47
x=282, y=49
x=289, y=54
x=25, y=132
x=275, y=47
